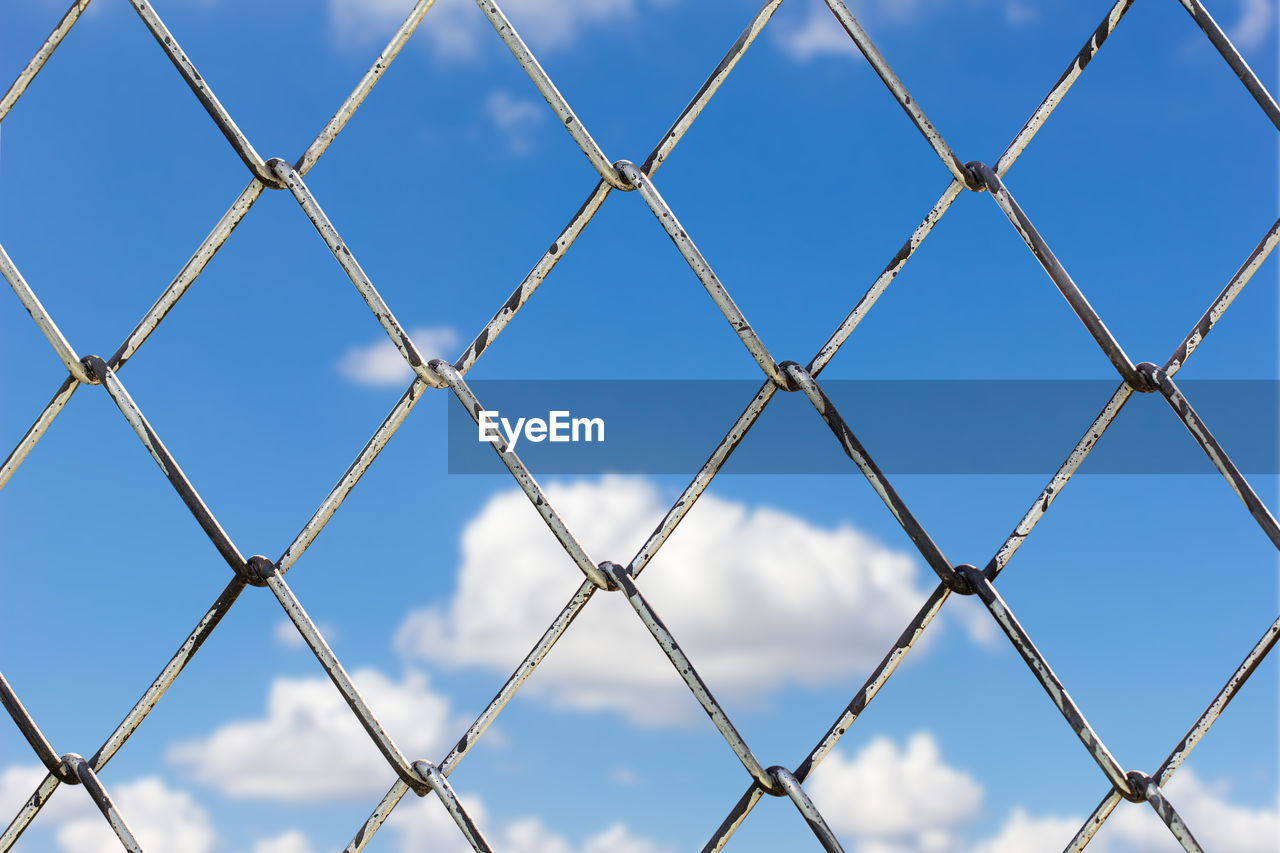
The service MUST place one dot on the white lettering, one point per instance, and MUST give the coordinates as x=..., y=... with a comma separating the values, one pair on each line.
x=513, y=435
x=487, y=427
x=559, y=423
x=587, y=424
x=559, y=426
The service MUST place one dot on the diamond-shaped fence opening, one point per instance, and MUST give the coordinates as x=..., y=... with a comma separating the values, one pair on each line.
x=142, y=408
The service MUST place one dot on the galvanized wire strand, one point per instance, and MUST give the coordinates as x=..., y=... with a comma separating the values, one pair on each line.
x=792, y=788
x=47, y=327
x=1113, y=405
x=601, y=191
x=453, y=805
x=1005, y=552
x=1196, y=426
x=1060, y=278
x=334, y=126
x=527, y=483
x=312, y=528
x=169, y=465
x=168, y=299
x=1241, y=68
x=853, y=448
x=42, y=55
x=890, y=79
x=603, y=166
x=422, y=776
x=700, y=99
x=352, y=475
x=1011, y=153
x=135, y=716
x=329, y=662
x=703, y=271
x=294, y=183
x=103, y=801
x=1197, y=731
x=1172, y=819
x=214, y=241
x=1069, y=76
x=30, y=731
x=1211, y=316
x=697, y=686
x=1049, y=681
x=239, y=142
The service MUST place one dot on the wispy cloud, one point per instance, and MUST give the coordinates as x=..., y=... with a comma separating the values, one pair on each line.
x=813, y=31
x=515, y=118
x=1256, y=24
x=456, y=29
x=380, y=364
x=818, y=33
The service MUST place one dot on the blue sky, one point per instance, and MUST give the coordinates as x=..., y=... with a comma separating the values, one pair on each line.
x=1152, y=182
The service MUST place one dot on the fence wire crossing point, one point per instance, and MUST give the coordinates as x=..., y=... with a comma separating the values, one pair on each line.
x=424, y=777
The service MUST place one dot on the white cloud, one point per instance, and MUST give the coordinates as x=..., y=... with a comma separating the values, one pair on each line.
x=757, y=597
x=1218, y=825
x=896, y=798
x=514, y=118
x=624, y=776
x=1256, y=25
x=455, y=29
x=381, y=364
x=814, y=31
x=309, y=732
x=817, y=34
x=1019, y=13
x=424, y=824
x=290, y=842
x=161, y=817
x=1022, y=832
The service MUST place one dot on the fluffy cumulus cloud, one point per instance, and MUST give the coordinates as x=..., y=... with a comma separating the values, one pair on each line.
x=424, y=824
x=1217, y=823
x=167, y=819
x=160, y=817
x=308, y=732
x=896, y=798
x=757, y=598
x=380, y=364
x=455, y=29
x=290, y=842
x=891, y=798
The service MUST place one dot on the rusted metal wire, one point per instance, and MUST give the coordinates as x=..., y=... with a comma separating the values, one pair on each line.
x=424, y=777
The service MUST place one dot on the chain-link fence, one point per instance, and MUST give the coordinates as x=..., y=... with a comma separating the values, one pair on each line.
x=422, y=776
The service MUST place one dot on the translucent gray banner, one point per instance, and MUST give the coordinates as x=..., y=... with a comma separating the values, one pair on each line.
x=908, y=427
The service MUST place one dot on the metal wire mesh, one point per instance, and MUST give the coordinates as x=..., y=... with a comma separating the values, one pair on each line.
x=423, y=777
